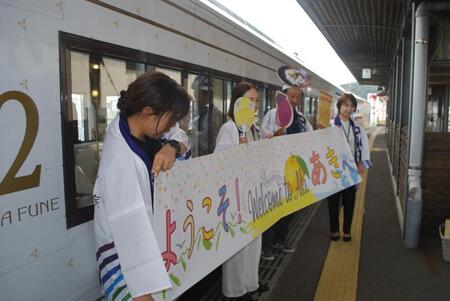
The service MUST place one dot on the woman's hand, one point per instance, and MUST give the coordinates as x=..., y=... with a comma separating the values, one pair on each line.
x=269, y=135
x=164, y=159
x=360, y=168
x=243, y=140
x=144, y=298
x=279, y=132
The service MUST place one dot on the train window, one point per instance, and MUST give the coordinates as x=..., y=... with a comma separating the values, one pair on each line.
x=228, y=88
x=218, y=99
x=116, y=75
x=266, y=102
x=198, y=88
x=262, y=104
x=314, y=108
x=86, y=124
x=448, y=118
x=271, y=102
x=81, y=102
x=174, y=74
x=217, y=109
x=306, y=105
x=91, y=82
x=94, y=84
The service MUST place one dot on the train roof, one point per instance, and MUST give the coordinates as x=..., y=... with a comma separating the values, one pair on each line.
x=265, y=42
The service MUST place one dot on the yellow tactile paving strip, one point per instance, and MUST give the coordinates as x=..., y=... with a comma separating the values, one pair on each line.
x=339, y=278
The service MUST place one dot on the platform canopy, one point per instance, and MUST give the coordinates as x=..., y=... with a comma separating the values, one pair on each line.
x=364, y=33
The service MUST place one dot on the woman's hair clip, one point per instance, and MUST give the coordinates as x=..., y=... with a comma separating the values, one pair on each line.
x=123, y=94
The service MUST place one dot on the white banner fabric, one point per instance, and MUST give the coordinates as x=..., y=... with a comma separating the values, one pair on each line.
x=208, y=208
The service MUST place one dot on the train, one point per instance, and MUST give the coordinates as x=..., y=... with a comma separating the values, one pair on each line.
x=64, y=64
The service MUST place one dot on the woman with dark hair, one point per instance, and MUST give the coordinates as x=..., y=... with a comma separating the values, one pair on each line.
x=129, y=259
x=229, y=134
x=240, y=272
x=357, y=140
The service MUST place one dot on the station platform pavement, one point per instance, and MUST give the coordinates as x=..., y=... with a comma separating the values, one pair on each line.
x=374, y=266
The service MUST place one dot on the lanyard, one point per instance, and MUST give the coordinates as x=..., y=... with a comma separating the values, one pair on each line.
x=347, y=133
x=252, y=129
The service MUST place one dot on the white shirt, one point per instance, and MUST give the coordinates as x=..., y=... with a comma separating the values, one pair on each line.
x=240, y=272
x=269, y=123
x=349, y=136
x=229, y=136
x=365, y=151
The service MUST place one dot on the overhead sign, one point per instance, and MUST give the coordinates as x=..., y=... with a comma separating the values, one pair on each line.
x=366, y=73
x=208, y=208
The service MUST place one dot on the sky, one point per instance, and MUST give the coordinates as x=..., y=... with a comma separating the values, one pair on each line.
x=311, y=46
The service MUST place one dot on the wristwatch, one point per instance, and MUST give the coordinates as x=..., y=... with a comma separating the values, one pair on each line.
x=175, y=145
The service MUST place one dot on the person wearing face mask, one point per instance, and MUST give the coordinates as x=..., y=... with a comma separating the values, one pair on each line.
x=128, y=256
x=240, y=272
x=357, y=140
x=295, y=79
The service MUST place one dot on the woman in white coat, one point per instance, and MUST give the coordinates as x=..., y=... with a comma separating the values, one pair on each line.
x=240, y=272
x=128, y=256
x=357, y=140
x=275, y=236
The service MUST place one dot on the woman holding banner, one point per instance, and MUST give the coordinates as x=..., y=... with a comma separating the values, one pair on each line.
x=240, y=272
x=294, y=79
x=129, y=259
x=357, y=140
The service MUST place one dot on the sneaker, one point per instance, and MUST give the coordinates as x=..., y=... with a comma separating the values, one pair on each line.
x=347, y=237
x=334, y=236
x=277, y=245
x=267, y=255
x=286, y=248
x=263, y=287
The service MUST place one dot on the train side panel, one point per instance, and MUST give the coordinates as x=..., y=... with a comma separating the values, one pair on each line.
x=40, y=258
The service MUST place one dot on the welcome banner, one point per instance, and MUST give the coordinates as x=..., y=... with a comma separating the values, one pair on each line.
x=208, y=208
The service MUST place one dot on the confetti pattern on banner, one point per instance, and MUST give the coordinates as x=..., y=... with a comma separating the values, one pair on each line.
x=208, y=208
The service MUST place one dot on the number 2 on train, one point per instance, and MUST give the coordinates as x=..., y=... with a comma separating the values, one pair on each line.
x=12, y=183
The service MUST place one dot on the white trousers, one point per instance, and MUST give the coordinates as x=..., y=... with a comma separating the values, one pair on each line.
x=240, y=272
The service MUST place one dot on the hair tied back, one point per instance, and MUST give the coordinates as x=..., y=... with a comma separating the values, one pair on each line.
x=122, y=99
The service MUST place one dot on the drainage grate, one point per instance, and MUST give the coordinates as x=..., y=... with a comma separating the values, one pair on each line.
x=269, y=271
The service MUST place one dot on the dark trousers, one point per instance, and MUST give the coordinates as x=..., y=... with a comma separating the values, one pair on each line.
x=277, y=233
x=347, y=196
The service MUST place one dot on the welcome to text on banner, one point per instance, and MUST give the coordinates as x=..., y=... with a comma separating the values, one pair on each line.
x=208, y=208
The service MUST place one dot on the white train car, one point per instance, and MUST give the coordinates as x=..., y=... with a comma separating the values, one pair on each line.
x=63, y=64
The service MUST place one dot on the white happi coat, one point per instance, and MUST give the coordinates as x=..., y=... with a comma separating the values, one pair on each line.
x=269, y=123
x=363, y=145
x=129, y=259
x=240, y=272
